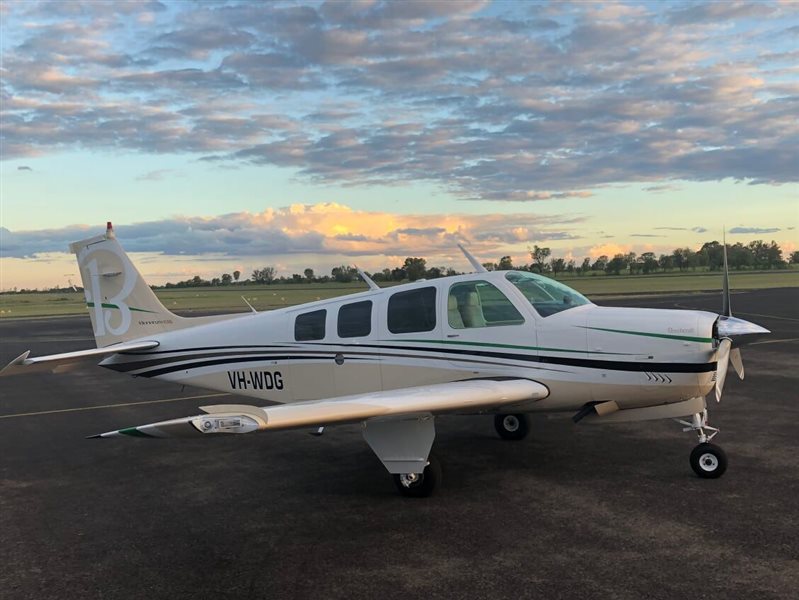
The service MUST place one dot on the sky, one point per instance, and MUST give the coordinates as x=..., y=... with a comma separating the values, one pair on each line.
x=222, y=135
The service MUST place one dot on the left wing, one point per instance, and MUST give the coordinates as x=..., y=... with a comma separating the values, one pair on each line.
x=459, y=396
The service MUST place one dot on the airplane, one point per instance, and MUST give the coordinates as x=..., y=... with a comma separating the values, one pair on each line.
x=504, y=343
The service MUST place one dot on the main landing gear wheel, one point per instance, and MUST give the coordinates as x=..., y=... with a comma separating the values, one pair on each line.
x=512, y=427
x=419, y=485
x=708, y=461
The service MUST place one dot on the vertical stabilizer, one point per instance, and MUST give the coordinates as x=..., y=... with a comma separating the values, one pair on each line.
x=121, y=304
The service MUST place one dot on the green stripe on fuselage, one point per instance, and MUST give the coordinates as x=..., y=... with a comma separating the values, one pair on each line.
x=513, y=346
x=668, y=336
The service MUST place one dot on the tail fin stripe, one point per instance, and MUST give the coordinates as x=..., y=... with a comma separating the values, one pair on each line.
x=105, y=305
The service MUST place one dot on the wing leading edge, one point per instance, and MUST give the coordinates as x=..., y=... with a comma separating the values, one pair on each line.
x=473, y=395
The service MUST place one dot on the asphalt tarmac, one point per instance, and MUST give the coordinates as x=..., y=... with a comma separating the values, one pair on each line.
x=571, y=512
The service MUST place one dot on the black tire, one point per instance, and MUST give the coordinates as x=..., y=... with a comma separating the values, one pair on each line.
x=424, y=485
x=708, y=461
x=512, y=427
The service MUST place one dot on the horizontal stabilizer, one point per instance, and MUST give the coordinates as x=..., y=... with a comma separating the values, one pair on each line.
x=460, y=396
x=61, y=362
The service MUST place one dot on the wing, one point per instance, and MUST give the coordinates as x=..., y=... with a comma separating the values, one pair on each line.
x=461, y=396
x=61, y=362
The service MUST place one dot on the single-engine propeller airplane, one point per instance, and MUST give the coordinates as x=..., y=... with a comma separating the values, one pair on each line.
x=507, y=343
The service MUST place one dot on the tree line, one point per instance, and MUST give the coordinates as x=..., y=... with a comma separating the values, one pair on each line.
x=756, y=255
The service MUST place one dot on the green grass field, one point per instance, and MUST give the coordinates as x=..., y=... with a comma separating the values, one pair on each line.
x=276, y=296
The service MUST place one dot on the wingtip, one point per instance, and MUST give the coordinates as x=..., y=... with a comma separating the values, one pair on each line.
x=94, y=437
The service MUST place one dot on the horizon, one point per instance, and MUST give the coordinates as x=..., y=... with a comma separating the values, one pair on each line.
x=234, y=135
x=524, y=262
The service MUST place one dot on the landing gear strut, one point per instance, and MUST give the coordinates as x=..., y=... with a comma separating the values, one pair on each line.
x=707, y=460
x=419, y=485
x=512, y=427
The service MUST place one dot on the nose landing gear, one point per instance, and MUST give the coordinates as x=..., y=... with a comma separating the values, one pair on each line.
x=707, y=460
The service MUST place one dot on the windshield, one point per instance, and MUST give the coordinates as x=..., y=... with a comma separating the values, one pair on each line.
x=546, y=295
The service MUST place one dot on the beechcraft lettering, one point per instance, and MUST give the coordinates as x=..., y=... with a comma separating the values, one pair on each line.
x=255, y=380
x=159, y=322
x=394, y=360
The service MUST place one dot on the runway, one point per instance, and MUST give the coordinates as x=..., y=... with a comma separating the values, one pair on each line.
x=572, y=512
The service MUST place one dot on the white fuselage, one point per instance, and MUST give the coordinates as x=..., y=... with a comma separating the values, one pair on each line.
x=636, y=357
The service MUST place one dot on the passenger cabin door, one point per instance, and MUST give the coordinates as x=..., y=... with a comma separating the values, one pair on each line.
x=356, y=365
x=311, y=363
x=484, y=330
x=410, y=339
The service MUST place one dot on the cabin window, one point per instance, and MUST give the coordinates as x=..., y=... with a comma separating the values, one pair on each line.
x=479, y=304
x=547, y=296
x=355, y=320
x=412, y=311
x=310, y=326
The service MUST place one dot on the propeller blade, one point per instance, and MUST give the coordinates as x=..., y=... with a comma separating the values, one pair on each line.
x=737, y=362
x=722, y=362
x=725, y=302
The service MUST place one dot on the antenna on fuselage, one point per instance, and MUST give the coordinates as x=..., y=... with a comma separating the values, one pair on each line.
x=372, y=285
x=252, y=308
x=478, y=268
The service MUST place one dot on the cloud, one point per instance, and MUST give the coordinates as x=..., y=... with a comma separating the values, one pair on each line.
x=694, y=229
x=24, y=168
x=718, y=12
x=755, y=230
x=528, y=105
x=610, y=249
x=307, y=229
x=417, y=231
x=156, y=175
x=646, y=235
x=666, y=187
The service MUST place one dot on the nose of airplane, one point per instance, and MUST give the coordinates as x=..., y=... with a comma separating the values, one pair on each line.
x=739, y=331
x=730, y=334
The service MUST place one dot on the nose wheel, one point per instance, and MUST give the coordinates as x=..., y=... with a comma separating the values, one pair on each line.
x=707, y=460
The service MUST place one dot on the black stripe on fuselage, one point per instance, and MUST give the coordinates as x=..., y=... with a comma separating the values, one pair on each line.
x=256, y=354
x=210, y=363
x=350, y=355
x=292, y=354
x=589, y=363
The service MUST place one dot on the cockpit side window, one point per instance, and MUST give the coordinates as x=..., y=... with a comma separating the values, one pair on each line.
x=479, y=304
x=547, y=296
